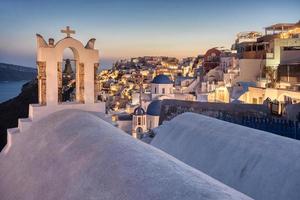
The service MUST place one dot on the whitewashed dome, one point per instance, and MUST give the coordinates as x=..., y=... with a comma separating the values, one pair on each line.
x=260, y=164
x=75, y=155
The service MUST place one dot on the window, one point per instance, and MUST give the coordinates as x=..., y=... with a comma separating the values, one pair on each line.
x=248, y=48
x=163, y=90
x=221, y=95
x=293, y=48
x=254, y=100
x=260, y=47
x=139, y=121
x=155, y=90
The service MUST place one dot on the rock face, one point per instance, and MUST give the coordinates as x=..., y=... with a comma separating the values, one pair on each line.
x=257, y=163
x=73, y=154
x=12, y=110
x=9, y=72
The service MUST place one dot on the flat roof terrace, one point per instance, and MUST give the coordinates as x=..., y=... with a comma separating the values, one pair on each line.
x=279, y=28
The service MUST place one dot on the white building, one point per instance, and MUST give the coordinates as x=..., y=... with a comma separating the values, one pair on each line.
x=153, y=113
x=269, y=61
x=139, y=123
x=161, y=87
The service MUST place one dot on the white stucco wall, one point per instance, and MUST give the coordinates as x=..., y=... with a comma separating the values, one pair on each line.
x=159, y=89
x=53, y=55
x=152, y=121
x=37, y=112
x=278, y=45
x=250, y=69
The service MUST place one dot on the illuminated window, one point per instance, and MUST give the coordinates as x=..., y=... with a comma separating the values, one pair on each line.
x=254, y=100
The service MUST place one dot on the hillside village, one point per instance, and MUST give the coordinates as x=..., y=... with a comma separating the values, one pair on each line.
x=260, y=68
x=223, y=125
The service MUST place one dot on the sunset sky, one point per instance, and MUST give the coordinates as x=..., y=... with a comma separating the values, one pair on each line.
x=126, y=29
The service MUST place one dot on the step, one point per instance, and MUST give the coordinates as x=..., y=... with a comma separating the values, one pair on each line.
x=24, y=124
x=32, y=110
x=13, y=130
x=11, y=133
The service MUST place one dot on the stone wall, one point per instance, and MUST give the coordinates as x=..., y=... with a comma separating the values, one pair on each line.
x=171, y=108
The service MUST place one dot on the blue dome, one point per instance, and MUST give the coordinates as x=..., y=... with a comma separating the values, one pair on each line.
x=139, y=111
x=162, y=79
x=154, y=108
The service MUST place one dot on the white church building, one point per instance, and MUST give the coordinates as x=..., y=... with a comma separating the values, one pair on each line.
x=161, y=88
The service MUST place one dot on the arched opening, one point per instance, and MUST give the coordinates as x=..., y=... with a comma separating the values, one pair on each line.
x=284, y=100
x=139, y=132
x=68, y=93
x=69, y=77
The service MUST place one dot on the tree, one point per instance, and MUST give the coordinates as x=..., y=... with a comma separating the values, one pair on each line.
x=270, y=73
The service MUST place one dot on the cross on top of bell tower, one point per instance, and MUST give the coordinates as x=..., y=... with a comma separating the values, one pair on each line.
x=68, y=31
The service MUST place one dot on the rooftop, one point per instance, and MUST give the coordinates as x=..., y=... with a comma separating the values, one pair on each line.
x=257, y=163
x=154, y=108
x=162, y=79
x=280, y=26
x=75, y=155
x=139, y=111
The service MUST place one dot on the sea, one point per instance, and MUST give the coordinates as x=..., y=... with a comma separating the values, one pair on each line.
x=10, y=89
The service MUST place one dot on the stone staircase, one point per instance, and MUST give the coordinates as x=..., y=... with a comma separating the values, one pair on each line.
x=37, y=112
x=23, y=125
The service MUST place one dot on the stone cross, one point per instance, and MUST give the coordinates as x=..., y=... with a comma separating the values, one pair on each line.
x=68, y=31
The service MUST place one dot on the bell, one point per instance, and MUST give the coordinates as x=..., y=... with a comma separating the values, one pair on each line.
x=68, y=68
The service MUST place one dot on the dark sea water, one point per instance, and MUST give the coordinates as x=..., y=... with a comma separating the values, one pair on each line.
x=10, y=89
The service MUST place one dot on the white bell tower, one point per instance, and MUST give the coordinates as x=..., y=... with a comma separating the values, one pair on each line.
x=139, y=123
x=49, y=64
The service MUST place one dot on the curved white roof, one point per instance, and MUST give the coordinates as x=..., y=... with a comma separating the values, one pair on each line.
x=257, y=163
x=161, y=79
x=75, y=155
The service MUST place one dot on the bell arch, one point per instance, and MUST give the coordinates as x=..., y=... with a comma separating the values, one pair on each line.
x=139, y=131
x=286, y=96
x=78, y=76
x=49, y=59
